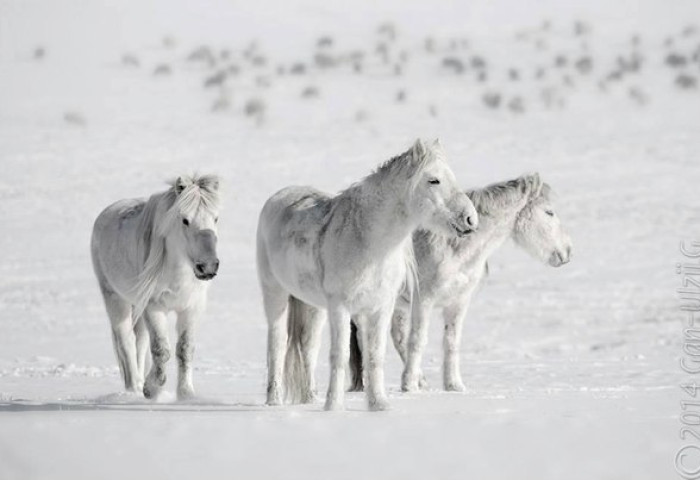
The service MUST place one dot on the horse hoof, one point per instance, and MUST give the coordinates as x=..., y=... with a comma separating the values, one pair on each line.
x=379, y=406
x=423, y=383
x=184, y=394
x=150, y=392
x=455, y=387
x=331, y=406
x=409, y=386
x=309, y=398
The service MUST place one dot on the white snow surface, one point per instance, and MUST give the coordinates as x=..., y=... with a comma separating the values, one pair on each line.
x=572, y=373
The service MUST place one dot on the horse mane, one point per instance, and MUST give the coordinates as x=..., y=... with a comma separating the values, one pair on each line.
x=409, y=163
x=186, y=195
x=501, y=195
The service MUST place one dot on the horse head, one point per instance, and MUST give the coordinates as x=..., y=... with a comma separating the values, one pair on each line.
x=538, y=228
x=436, y=196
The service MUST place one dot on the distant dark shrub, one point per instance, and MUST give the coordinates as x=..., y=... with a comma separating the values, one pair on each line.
x=491, y=99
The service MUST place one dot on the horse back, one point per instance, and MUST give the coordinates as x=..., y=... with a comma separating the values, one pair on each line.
x=289, y=230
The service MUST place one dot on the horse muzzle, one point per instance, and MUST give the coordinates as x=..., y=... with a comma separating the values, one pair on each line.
x=206, y=270
x=559, y=258
x=464, y=225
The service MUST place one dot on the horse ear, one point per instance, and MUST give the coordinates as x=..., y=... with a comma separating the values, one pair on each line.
x=536, y=185
x=419, y=149
x=436, y=143
x=531, y=185
x=179, y=185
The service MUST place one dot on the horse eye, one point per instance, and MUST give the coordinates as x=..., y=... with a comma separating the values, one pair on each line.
x=549, y=212
x=185, y=222
x=216, y=220
x=434, y=181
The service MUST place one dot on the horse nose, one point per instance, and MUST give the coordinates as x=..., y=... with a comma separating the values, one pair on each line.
x=207, y=269
x=472, y=221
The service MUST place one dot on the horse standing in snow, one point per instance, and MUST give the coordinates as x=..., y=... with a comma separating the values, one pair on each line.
x=152, y=257
x=449, y=271
x=351, y=255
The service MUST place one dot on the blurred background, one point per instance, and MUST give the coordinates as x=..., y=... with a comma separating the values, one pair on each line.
x=103, y=100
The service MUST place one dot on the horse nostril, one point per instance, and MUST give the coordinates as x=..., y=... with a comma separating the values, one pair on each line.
x=200, y=268
x=470, y=222
x=216, y=266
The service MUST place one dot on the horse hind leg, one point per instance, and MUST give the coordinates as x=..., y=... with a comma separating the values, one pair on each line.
x=339, y=321
x=123, y=339
x=400, y=332
x=356, y=371
x=275, y=301
x=304, y=326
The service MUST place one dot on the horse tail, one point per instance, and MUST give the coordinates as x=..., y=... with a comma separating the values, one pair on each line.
x=296, y=375
x=356, y=382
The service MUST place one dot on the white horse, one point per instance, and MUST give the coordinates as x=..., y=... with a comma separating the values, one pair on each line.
x=152, y=257
x=451, y=269
x=351, y=255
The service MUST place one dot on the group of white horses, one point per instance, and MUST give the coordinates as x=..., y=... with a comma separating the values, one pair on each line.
x=378, y=257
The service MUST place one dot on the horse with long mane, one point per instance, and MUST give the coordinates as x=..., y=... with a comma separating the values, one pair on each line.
x=350, y=255
x=450, y=270
x=152, y=257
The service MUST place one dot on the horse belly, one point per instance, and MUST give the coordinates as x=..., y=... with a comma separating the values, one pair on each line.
x=296, y=269
x=115, y=248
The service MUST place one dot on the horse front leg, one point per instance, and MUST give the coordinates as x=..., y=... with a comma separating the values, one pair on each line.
x=454, y=319
x=400, y=332
x=339, y=320
x=141, y=331
x=184, y=351
x=374, y=353
x=156, y=321
x=310, y=345
x=417, y=340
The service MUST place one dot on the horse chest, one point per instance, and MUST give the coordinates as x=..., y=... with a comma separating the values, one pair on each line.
x=450, y=280
x=370, y=287
x=180, y=292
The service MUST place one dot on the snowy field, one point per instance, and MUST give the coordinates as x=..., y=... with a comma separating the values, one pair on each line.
x=572, y=373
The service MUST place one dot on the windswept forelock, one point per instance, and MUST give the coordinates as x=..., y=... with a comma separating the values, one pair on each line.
x=189, y=194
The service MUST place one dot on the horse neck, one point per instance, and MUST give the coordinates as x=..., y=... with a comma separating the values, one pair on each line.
x=381, y=216
x=496, y=224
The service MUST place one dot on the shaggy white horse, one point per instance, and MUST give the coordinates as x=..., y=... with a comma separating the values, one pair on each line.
x=350, y=255
x=450, y=270
x=152, y=257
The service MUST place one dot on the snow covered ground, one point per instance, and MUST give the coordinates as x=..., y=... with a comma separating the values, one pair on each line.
x=571, y=373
